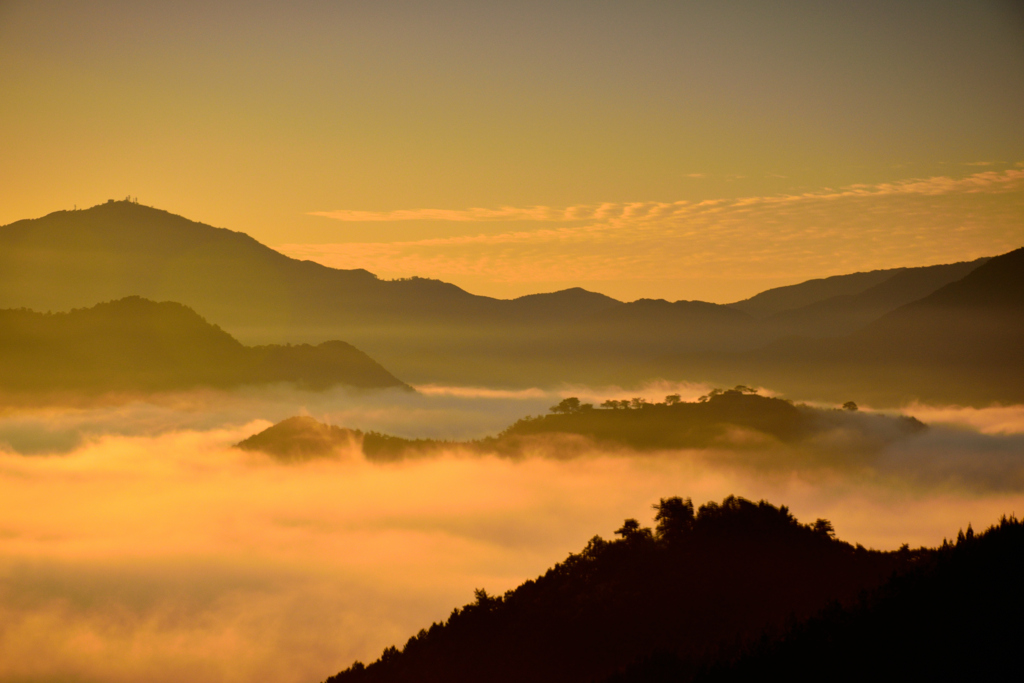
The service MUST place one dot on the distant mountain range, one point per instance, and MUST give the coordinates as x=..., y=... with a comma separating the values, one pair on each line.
x=734, y=591
x=430, y=331
x=134, y=344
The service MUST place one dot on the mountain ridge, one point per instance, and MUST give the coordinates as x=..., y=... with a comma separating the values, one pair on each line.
x=425, y=330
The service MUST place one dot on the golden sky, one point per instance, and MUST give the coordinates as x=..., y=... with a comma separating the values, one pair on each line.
x=659, y=149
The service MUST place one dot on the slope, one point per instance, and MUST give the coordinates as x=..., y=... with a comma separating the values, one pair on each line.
x=848, y=313
x=134, y=344
x=699, y=583
x=959, y=344
x=736, y=591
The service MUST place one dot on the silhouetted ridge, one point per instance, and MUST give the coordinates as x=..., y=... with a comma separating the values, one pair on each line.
x=847, y=313
x=954, y=616
x=304, y=438
x=134, y=344
x=789, y=297
x=711, y=422
x=424, y=330
x=960, y=344
x=698, y=587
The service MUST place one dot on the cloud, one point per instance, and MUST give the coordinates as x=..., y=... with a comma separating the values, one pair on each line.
x=992, y=420
x=992, y=181
x=154, y=551
x=718, y=249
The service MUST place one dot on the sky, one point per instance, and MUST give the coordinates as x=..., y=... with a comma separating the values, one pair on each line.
x=679, y=150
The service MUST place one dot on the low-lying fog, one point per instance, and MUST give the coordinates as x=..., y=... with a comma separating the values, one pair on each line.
x=137, y=544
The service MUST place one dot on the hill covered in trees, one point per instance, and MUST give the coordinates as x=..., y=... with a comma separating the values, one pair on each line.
x=134, y=344
x=953, y=616
x=718, y=593
x=734, y=418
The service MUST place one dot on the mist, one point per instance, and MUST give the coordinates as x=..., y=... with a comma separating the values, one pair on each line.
x=138, y=544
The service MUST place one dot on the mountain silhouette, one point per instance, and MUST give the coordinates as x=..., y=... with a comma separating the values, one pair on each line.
x=709, y=590
x=715, y=421
x=952, y=616
x=134, y=344
x=302, y=438
x=959, y=344
x=921, y=281
x=846, y=313
x=424, y=330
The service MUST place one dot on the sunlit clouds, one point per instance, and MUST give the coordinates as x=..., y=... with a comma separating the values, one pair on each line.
x=173, y=556
x=688, y=250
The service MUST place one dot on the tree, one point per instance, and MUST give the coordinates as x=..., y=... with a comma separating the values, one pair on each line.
x=637, y=403
x=615, y=405
x=823, y=527
x=674, y=517
x=673, y=399
x=632, y=531
x=850, y=405
x=710, y=395
x=566, y=406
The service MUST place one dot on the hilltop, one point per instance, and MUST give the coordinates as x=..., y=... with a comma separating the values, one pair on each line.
x=718, y=592
x=732, y=419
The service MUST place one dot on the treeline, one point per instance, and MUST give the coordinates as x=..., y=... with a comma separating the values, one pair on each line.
x=698, y=588
x=709, y=421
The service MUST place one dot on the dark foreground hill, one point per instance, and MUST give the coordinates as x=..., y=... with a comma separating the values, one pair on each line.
x=723, y=591
x=733, y=419
x=424, y=330
x=954, y=617
x=138, y=345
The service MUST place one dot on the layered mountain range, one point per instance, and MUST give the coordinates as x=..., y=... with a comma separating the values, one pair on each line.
x=820, y=339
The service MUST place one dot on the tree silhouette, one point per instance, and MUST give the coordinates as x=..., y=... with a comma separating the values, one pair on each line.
x=567, y=406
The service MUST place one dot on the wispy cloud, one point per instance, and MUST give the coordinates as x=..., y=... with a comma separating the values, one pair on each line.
x=988, y=181
x=716, y=249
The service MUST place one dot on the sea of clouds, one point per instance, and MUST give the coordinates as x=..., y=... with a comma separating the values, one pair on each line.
x=137, y=544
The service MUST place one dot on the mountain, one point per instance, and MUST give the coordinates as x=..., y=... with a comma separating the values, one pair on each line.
x=847, y=313
x=74, y=259
x=960, y=344
x=300, y=438
x=778, y=300
x=953, y=617
x=734, y=591
x=303, y=438
x=134, y=344
x=722, y=419
x=426, y=331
